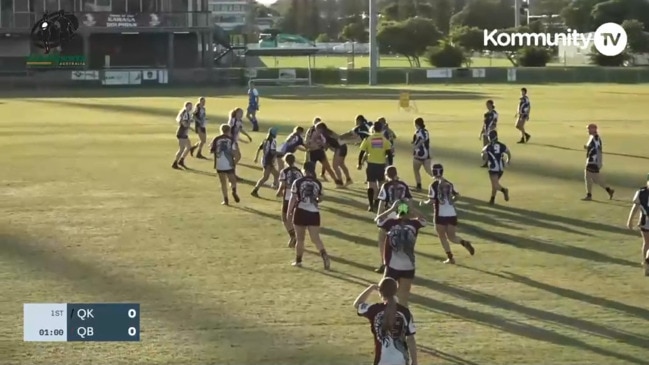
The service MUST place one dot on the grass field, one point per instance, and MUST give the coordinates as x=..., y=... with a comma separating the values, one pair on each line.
x=92, y=212
x=361, y=61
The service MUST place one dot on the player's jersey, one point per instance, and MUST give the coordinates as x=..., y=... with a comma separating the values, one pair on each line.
x=291, y=144
x=223, y=150
x=253, y=97
x=594, y=151
x=236, y=125
x=184, y=122
x=421, y=144
x=307, y=191
x=495, y=153
x=363, y=130
x=288, y=176
x=490, y=121
x=442, y=192
x=393, y=191
x=524, y=106
x=641, y=198
x=268, y=148
x=200, y=116
x=390, y=347
x=401, y=237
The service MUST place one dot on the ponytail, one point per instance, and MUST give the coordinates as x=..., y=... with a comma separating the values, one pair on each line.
x=389, y=314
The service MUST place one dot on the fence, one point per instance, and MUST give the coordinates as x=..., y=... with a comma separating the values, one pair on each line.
x=239, y=77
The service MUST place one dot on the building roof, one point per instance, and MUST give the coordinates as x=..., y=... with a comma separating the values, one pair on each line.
x=289, y=51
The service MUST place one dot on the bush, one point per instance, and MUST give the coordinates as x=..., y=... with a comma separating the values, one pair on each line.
x=533, y=57
x=599, y=59
x=445, y=55
x=323, y=38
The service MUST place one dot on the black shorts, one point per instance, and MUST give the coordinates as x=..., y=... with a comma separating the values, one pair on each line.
x=446, y=221
x=496, y=173
x=317, y=155
x=592, y=169
x=199, y=128
x=399, y=274
x=227, y=172
x=305, y=218
x=342, y=151
x=268, y=162
x=375, y=172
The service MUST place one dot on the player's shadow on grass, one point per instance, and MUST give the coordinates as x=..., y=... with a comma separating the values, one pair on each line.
x=582, y=151
x=475, y=296
x=570, y=294
x=368, y=94
x=496, y=321
x=530, y=216
x=534, y=168
x=164, y=303
x=545, y=247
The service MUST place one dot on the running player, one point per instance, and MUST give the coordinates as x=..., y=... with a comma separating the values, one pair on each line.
x=222, y=147
x=421, y=156
x=269, y=149
x=376, y=149
x=393, y=190
x=253, y=105
x=293, y=142
x=306, y=195
x=594, y=163
x=442, y=195
x=184, y=120
x=236, y=129
x=200, y=126
x=489, y=123
x=523, y=115
x=340, y=153
x=392, y=325
x=287, y=177
x=496, y=155
x=641, y=203
x=399, y=250
x=390, y=136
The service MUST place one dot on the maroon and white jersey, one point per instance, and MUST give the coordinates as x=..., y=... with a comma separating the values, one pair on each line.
x=441, y=192
x=401, y=236
x=307, y=190
x=393, y=191
x=288, y=176
x=236, y=125
x=390, y=348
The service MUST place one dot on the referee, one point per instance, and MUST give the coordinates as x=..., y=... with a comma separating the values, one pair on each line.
x=377, y=150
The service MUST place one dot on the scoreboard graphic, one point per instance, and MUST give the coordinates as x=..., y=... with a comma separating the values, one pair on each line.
x=81, y=322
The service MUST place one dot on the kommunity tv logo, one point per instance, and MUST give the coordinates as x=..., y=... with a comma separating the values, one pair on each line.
x=610, y=39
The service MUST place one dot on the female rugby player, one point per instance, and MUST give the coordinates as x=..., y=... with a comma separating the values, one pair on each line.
x=200, y=126
x=641, y=203
x=420, y=151
x=494, y=156
x=390, y=136
x=399, y=250
x=391, y=191
x=222, y=147
x=294, y=142
x=594, y=163
x=489, y=124
x=184, y=119
x=340, y=152
x=236, y=129
x=442, y=195
x=362, y=130
x=287, y=177
x=253, y=106
x=316, y=145
x=303, y=210
x=269, y=148
x=392, y=325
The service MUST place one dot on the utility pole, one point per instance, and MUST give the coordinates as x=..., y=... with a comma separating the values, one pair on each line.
x=517, y=13
x=374, y=47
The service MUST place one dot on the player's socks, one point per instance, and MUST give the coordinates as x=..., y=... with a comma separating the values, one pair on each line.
x=370, y=196
x=418, y=186
x=610, y=192
x=469, y=247
x=505, y=192
x=492, y=200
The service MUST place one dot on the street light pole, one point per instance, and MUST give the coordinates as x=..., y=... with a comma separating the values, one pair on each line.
x=374, y=47
x=517, y=13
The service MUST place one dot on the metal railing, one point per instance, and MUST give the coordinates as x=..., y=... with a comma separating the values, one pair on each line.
x=175, y=20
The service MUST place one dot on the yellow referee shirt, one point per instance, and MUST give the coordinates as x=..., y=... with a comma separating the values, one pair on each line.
x=375, y=148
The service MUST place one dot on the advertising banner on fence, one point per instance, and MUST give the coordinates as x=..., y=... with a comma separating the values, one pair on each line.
x=85, y=75
x=135, y=77
x=479, y=73
x=439, y=73
x=287, y=74
x=511, y=75
x=116, y=78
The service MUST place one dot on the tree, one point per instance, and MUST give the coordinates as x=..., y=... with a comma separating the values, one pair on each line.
x=485, y=14
x=533, y=57
x=469, y=38
x=409, y=38
x=599, y=59
x=443, y=11
x=617, y=11
x=323, y=38
x=577, y=15
x=354, y=32
x=637, y=38
x=445, y=55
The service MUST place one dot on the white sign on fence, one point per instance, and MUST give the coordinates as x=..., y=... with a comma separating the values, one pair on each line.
x=116, y=78
x=135, y=77
x=163, y=76
x=439, y=73
x=479, y=73
x=511, y=75
x=85, y=75
x=287, y=74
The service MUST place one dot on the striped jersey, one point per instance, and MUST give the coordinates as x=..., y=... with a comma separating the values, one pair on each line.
x=524, y=106
x=594, y=151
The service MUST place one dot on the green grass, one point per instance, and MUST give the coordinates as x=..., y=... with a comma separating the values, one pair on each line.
x=360, y=61
x=92, y=212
